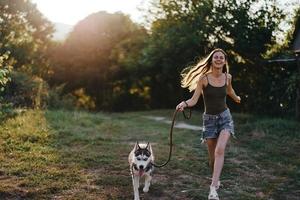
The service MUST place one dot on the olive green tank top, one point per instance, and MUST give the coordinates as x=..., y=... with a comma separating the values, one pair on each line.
x=214, y=98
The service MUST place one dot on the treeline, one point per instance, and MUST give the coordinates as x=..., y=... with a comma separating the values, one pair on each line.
x=24, y=41
x=110, y=63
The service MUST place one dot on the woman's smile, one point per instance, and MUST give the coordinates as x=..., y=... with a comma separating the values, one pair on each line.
x=218, y=59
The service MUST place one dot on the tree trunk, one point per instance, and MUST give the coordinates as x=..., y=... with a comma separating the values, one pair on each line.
x=298, y=89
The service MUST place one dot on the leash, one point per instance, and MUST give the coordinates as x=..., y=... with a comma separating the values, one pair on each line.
x=171, y=135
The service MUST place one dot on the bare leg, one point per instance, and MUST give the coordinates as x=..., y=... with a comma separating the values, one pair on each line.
x=211, y=146
x=219, y=156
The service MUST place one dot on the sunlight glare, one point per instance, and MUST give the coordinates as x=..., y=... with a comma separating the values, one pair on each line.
x=70, y=11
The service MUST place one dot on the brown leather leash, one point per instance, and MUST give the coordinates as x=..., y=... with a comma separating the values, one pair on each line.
x=171, y=135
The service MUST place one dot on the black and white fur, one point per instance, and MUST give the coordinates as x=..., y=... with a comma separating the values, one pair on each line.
x=141, y=161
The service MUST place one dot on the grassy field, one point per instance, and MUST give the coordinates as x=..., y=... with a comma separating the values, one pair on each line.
x=79, y=155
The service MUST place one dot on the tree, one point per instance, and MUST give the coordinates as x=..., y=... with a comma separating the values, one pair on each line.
x=26, y=34
x=5, y=68
x=281, y=75
x=91, y=56
x=183, y=30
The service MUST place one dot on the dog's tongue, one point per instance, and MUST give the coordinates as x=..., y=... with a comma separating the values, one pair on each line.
x=141, y=172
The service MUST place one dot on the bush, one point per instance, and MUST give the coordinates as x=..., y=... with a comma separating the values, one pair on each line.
x=6, y=111
x=26, y=91
x=57, y=100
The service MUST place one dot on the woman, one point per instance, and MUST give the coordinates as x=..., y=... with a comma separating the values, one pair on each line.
x=210, y=77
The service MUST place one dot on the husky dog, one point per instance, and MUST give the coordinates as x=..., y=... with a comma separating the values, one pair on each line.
x=141, y=165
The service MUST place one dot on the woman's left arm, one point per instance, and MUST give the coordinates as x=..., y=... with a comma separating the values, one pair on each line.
x=230, y=90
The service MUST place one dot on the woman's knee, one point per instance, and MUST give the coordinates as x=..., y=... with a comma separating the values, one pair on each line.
x=219, y=151
x=222, y=142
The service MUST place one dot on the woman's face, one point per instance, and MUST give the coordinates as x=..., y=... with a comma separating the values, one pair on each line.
x=218, y=59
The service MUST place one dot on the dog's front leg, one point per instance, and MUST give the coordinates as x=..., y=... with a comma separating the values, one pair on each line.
x=136, y=185
x=148, y=179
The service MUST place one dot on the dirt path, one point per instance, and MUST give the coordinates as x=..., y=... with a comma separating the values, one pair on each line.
x=179, y=124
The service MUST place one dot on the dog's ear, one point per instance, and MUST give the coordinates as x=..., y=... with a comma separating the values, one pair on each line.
x=137, y=146
x=147, y=146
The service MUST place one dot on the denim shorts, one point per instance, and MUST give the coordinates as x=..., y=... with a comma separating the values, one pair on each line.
x=214, y=124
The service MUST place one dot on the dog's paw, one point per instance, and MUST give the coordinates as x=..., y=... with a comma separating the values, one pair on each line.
x=145, y=189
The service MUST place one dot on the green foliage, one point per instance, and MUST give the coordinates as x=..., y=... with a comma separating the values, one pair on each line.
x=77, y=99
x=283, y=77
x=26, y=91
x=130, y=90
x=5, y=69
x=273, y=91
x=25, y=34
x=3, y=77
x=6, y=109
x=57, y=100
x=295, y=23
x=184, y=30
x=83, y=101
x=101, y=52
x=122, y=66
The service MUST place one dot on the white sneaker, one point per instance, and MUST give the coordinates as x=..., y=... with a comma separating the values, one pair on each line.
x=213, y=195
x=219, y=184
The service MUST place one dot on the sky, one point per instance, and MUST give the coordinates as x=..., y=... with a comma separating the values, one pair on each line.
x=71, y=11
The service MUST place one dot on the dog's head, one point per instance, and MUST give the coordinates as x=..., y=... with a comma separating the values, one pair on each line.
x=142, y=156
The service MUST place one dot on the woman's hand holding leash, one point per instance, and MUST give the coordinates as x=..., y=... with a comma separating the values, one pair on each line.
x=182, y=106
x=238, y=99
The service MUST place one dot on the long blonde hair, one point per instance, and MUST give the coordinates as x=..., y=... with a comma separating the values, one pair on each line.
x=190, y=75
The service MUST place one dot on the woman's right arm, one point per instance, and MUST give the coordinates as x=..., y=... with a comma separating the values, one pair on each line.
x=192, y=101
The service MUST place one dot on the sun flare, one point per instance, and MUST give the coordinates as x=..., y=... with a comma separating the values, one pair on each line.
x=70, y=12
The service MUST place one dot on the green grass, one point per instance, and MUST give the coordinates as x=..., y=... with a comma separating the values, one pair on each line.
x=81, y=155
